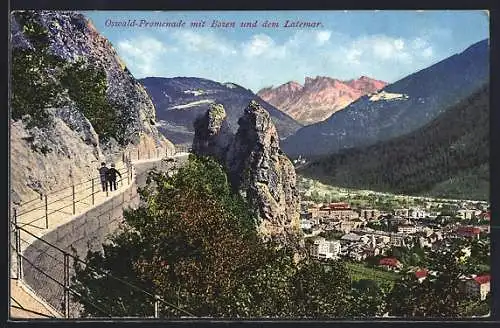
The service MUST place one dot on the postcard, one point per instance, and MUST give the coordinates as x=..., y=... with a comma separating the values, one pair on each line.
x=329, y=164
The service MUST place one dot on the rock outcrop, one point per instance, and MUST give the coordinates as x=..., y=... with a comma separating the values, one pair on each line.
x=212, y=133
x=180, y=100
x=70, y=147
x=256, y=167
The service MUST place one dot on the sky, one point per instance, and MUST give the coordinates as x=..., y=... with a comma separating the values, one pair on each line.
x=387, y=44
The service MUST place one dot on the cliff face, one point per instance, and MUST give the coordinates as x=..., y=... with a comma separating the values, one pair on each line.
x=319, y=97
x=67, y=48
x=256, y=167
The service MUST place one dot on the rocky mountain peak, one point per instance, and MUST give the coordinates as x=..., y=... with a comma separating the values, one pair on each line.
x=293, y=85
x=320, y=96
x=366, y=84
x=256, y=167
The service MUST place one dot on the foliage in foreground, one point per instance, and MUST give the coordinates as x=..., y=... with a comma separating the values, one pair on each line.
x=193, y=242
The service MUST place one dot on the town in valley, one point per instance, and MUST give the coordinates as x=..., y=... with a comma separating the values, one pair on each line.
x=376, y=233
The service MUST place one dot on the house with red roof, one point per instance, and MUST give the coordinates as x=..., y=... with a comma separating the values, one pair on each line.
x=421, y=274
x=468, y=232
x=390, y=263
x=341, y=211
x=478, y=286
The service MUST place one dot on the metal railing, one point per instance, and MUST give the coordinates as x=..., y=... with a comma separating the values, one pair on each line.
x=182, y=149
x=126, y=158
x=61, y=260
x=91, y=187
x=65, y=198
x=71, y=298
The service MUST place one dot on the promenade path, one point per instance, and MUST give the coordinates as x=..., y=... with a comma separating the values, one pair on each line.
x=33, y=218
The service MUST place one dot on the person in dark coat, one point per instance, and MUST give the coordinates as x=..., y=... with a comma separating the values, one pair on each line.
x=103, y=174
x=112, y=172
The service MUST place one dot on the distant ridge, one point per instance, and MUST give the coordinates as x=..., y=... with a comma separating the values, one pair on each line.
x=319, y=97
x=180, y=100
x=397, y=109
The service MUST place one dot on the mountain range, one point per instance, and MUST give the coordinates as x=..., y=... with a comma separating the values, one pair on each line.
x=448, y=157
x=319, y=97
x=180, y=100
x=397, y=109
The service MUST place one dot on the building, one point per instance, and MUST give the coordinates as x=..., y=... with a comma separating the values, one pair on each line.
x=468, y=232
x=397, y=220
x=351, y=237
x=421, y=274
x=397, y=239
x=306, y=215
x=424, y=242
x=383, y=239
x=349, y=225
x=340, y=211
x=314, y=210
x=305, y=224
x=332, y=225
x=325, y=249
x=407, y=228
x=485, y=228
x=369, y=214
x=402, y=212
x=478, y=287
x=418, y=213
x=467, y=214
x=372, y=251
x=390, y=263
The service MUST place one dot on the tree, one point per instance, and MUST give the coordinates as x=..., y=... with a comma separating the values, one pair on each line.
x=367, y=298
x=190, y=242
x=437, y=296
x=321, y=290
x=316, y=197
x=33, y=85
x=194, y=242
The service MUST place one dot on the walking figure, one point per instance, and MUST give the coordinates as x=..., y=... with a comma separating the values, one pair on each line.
x=112, y=172
x=103, y=173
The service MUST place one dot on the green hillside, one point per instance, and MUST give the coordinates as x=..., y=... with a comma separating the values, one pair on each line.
x=449, y=157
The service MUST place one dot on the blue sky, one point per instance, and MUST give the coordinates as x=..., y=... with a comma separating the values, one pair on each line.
x=385, y=45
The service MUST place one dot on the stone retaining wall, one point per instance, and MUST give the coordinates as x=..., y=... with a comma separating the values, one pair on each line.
x=86, y=232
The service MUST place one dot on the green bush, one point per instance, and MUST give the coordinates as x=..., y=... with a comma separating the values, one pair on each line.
x=87, y=86
x=33, y=85
x=194, y=243
x=40, y=79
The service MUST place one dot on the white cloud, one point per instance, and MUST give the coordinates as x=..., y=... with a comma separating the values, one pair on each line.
x=353, y=56
x=427, y=53
x=203, y=42
x=262, y=45
x=384, y=48
x=259, y=44
x=142, y=54
x=263, y=59
x=419, y=43
x=323, y=36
